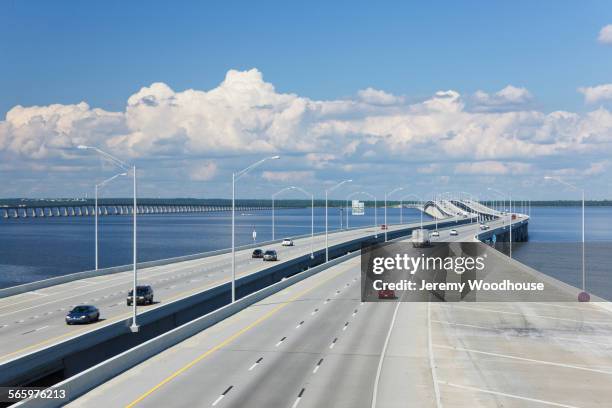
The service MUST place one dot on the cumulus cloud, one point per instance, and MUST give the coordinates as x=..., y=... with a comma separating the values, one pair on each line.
x=492, y=168
x=508, y=98
x=245, y=115
x=597, y=93
x=378, y=97
x=203, y=171
x=605, y=35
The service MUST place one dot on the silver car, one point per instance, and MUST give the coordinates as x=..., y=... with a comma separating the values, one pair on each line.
x=270, y=255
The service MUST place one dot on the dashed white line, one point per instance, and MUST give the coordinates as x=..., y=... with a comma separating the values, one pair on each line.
x=280, y=341
x=314, y=371
x=503, y=394
x=299, y=397
x=299, y=324
x=333, y=343
x=345, y=326
x=255, y=364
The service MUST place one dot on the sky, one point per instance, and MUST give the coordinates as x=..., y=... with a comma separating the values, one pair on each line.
x=431, y=96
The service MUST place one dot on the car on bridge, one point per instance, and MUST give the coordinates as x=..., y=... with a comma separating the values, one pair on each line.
x=258, y=253
x=484, y=227
x=435, y=233
x=270, y=255
x=454, y=232
x=384, y=227
x=144, y=295
x=287, y=242
x=386, y=294
x=83, y=314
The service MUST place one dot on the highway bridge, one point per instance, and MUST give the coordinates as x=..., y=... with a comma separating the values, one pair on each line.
x=305, y=338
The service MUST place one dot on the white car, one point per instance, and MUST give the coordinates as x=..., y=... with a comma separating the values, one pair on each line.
x=484, y=227
x=435, y=234
x=453, y=232
x=287, y=242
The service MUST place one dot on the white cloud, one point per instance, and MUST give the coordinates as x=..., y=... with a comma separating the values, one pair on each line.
x=245, y=115
x=492, y=168
x=508, y=98
x=597, y=93
x=605, y=35
x=378, y=97
x=203, y=171
x=429, y=169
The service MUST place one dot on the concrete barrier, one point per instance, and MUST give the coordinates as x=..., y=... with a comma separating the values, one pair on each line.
x=83, y=382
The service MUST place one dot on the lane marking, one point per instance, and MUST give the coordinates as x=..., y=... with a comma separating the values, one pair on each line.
x=382, y=354
x=503, y=394
x=231, y=339
x=255, y=364
x=432, y=362
x=314, y=371
x=279, y=343
x=345, y=326
x=333, y=343
x=299, y=397
x=531, y=360
x=222, y=395
x=314, y=311
x=299, y=324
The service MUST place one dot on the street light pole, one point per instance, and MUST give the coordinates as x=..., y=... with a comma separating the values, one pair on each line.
x=236, y=177
x=388, y=194
x=326, y=216
x=122, y=165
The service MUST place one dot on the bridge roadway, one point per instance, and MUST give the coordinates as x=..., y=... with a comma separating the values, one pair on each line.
x=315, y=345
x=34, y=320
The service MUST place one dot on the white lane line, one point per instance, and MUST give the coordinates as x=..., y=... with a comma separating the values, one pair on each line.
x=465, y=325
x=482, y=309
x=299, y=324
x=531, y=360
x=503, y=394
x=222, y=395
x=432, y=362
x=314, y=311
x=299, y=397
x=345, y=326
x=280, y=341
x=255, y=364
x=326, y=301
x=355, y=312
x=333, y=343
x=382, y=354
x=38, y=293
x=314, y=371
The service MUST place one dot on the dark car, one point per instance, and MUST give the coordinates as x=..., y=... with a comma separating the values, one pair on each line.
x=258, y=253
x=386, y=294
x=83, y=314
x=270, y=255
x=144, y=295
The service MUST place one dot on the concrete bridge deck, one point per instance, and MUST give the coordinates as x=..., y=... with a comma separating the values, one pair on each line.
x=315, y=344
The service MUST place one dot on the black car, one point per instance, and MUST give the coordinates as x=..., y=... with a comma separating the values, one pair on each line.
x=258, y=253
x=144, y=295
x=83, y=314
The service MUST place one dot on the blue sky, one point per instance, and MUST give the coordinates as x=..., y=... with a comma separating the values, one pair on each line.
x=103, y=53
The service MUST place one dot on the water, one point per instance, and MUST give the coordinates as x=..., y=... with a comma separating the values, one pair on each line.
x=34, y=249
x=38, y=248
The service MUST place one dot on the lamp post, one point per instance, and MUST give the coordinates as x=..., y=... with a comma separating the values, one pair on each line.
x=311, y=214
x=326, y=226
x=236, y=177
x=97, y=187
x=583, y=240
x=123, y=166
x=510, y=205
x=386, y=195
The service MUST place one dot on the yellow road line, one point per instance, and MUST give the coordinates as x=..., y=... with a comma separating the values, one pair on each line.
x=228, y=341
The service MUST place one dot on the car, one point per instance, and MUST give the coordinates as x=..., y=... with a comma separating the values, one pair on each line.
x=435, y=233
x=484, y=227
x=258, y=253
x=287, y=242
x=384, y=227
x=270, y=255
x=454, y=232
x=144, y=295
x=83, y=314
x=386, y=294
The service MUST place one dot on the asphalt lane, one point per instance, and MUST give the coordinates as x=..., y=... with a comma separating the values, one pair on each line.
x=35, y=319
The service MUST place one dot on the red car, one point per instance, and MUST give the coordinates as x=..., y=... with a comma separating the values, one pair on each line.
x=386, y=294
x=384, y=227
